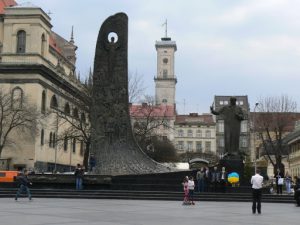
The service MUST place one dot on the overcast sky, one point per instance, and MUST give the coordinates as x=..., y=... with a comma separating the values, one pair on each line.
x=224, y=47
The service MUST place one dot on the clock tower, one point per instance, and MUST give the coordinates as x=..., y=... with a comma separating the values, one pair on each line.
x=165, y=80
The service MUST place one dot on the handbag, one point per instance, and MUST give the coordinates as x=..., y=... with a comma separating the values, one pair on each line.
x=280, y=181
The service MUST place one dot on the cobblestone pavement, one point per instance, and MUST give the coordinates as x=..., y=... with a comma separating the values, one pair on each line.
x=140, y=212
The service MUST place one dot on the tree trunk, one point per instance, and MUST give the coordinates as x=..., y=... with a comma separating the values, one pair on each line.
x=86, y=156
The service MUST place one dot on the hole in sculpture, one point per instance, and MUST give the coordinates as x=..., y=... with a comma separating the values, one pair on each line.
x=112, y=37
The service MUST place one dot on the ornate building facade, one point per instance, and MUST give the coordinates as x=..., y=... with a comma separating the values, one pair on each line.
x=41, y=64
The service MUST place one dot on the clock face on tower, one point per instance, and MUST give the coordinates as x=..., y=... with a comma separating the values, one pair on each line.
x=165, y=60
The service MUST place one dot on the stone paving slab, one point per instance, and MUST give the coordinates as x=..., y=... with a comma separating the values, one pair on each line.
x=140, y=212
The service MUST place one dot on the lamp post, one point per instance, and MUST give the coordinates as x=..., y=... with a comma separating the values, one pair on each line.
x=254, y=135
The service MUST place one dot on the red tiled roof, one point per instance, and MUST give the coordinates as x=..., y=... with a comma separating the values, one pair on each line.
x=6, y=3
x=53, y=44
x=149, y=110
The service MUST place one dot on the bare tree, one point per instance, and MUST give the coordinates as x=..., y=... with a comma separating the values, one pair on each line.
x=136, y=87
x=275, y=115
x=148, y=119
x=17, y=117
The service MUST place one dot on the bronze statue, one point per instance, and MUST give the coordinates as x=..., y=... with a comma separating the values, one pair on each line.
x=232, y=115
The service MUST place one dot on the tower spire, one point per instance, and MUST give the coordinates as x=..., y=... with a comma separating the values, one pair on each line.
x=166, y=28
x=72, y=36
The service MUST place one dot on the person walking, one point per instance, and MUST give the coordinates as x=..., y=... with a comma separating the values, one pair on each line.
x=79, y=172
x=223, y=178
x=191, y=187
x=200, y=179
x=23, y=181
x=256, y=181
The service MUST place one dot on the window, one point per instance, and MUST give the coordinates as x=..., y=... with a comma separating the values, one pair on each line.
x=42, y=137
x=199, y=133
x=165, y=60
x=180, y=133
x=190, y=133
x=67, y=109
x=50, y=139
x=244, y=143
x=221, y=126
x=164, y=100
x=244, y=126
x=21, y=41
x=199, y=146
x=190, y=146
x=207, y=133
x=53, y=140
x=221, y=142
x=74, y=145
x=66, y=142
x=221, y=102
x=17, y=98
x=225, y=102
x=43, y=45
x=165, y=73
x=241, y=103
x=180, y=145
x=207, y=146
x=75, y=113
x=43, y=105
x=53, y=102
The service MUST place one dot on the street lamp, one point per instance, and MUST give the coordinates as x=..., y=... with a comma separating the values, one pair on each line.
x=254, y=134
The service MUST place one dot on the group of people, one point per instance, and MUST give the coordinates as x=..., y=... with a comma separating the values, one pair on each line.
x=281, y=180
x=214, y=180
x=188, y=188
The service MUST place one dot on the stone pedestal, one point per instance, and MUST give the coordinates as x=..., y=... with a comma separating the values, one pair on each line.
x=233, y=165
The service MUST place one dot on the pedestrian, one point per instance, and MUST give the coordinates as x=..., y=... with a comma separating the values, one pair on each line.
x=297, y=190
x=186, y=191
x=279, y=181
x=223, y=178
x=191, y=187
x=206, y=179
x=23, y=181
x=215, y=179
x=256, y=181
x=288, y=183
x=92, y=163
x=79, y=172
x=200, y=179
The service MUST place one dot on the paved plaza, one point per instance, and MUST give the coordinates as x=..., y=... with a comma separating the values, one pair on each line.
x=140, y=212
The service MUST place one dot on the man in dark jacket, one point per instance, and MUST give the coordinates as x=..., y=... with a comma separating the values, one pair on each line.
x=297, y=190
x=23, y=185
x=79, y=172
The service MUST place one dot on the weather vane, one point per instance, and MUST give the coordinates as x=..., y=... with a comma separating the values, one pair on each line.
x=166, y=27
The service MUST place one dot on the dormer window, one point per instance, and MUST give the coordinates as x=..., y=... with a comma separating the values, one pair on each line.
x=21, y=41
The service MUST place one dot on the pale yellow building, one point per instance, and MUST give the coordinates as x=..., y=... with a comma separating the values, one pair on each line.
x=41, y=65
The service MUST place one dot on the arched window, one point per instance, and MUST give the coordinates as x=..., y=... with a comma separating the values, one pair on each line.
x=67, y=109
x=74, y=145
x=21, y=41
x=42, y=137
x=17, y=98
x=75, y=113
x=82, y=118
x=66, y=143
x=43, y=45
x=164, y=101
x=53, y=102
x=43, y=105
x=50, y=139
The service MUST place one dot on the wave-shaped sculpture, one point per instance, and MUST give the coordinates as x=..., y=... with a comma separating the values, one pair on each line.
x=113, y=144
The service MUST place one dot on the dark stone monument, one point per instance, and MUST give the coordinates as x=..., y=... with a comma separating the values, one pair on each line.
x=113, y=145
x=232, y=116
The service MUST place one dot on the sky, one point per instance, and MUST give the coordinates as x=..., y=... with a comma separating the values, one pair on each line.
x=224, y=47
